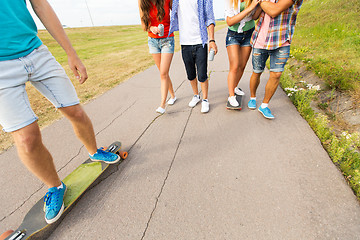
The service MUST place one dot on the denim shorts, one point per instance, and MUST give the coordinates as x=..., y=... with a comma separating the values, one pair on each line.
x=40, y=69
x=242, y=39
x=278, y=59
x=195, y=58
x=161, y=45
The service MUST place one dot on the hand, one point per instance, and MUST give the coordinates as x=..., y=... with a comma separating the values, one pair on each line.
x=78, y=68
x=254, y=3
x=154, y=30
x=212, y=45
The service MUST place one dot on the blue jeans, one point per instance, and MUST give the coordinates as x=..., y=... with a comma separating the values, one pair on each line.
x=195, y=56
x=241, y=39
x=161, y=45
x=278, y=59
x=40, y=69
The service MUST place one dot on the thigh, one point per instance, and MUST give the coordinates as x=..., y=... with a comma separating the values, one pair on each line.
x=50, y=79
x=244, y=54
x=259, y=58
x=167, y=45
x=201, y=62
x=189, y=61
x=233, y=52
x=154, y=46
x=278, y=59
x=15, y=109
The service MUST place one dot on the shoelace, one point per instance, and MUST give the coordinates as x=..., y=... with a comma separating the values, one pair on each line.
x=51, y=199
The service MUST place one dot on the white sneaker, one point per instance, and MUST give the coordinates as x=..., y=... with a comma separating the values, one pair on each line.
x=233, y=102
x=239, y=92
x=205, y=106
x=171, y=101
x=194, y=101
x=160, y=110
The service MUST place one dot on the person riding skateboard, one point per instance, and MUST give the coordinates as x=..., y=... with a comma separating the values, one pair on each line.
x=195, y=22
x=272, y=38
x=23, y=58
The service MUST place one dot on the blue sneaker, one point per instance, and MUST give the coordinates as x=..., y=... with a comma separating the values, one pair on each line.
x=252, y=104
x=104, y=156
x=54, y=204
x=266, y=112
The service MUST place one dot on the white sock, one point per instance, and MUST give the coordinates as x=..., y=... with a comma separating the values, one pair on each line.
x=60, y=187
x=264, y=105
x=253, y=98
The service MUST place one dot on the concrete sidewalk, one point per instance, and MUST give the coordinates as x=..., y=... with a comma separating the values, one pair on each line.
x=222, y=175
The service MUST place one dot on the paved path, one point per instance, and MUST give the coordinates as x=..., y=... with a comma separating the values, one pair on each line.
x=221, y=175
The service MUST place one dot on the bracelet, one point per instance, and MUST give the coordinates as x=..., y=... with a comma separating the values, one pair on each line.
x=212, y=40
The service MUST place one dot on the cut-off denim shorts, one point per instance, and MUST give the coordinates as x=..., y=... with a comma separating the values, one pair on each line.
x=241, y=39
x=40, y=69
x=161, y=45
x=195, y=57
x=278, y=59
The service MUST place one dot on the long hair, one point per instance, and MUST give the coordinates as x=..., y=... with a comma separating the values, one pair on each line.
x=235, y=3
x=146, y=6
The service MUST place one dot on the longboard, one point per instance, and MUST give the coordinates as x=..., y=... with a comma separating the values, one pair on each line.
x=239, y=100
x=34, y=225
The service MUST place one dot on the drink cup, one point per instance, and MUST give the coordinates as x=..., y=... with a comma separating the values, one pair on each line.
x=211, y=54
x=161, y=28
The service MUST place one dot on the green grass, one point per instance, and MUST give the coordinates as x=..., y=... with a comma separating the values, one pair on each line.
x=341, y=149
x=327, y=39
x=111, y=55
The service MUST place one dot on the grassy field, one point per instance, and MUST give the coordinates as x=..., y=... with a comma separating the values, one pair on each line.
x=327, y=39
x=110, y=54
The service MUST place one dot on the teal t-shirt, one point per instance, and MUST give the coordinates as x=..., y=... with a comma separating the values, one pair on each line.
x=248, y=25
x=18, y=35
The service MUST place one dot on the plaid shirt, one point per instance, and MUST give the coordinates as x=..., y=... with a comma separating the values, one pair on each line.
x=206, y=17
x=281, y=28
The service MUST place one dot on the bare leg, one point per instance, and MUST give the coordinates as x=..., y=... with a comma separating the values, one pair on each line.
x=82, y=126
x=238, y=57
x=271, y=86
x=194, y=86
x=204, y=88
x=163, y=62
x=254, y=83
x=35, y=156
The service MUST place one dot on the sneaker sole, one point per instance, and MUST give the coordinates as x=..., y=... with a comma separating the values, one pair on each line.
x=265, y=116
x=252, y=108
x=117, y=160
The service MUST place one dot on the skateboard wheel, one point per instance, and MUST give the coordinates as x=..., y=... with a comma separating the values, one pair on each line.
x=6, y=234
x=123, y=155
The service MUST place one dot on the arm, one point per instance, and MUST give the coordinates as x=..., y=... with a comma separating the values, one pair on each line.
x=212, y=44
x=141, y=15
x=275, y=9
x=48, y=17
x=238, y=17
x=153, y=29
x=257, y=13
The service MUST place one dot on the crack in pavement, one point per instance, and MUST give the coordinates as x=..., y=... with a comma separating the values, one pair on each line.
x=167, y=175
x=76, y=155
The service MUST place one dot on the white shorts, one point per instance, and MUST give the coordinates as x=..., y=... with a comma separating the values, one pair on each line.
x=42, y=70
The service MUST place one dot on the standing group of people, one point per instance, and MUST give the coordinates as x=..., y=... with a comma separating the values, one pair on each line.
x=23, y=58
x=270, y=37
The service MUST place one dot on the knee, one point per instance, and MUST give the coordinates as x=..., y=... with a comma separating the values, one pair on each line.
x=164, y=76
x=28, y=142
x=275, y=75
x=75, y=113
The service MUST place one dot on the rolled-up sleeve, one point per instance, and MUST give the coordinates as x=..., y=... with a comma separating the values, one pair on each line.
x=209, y=10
